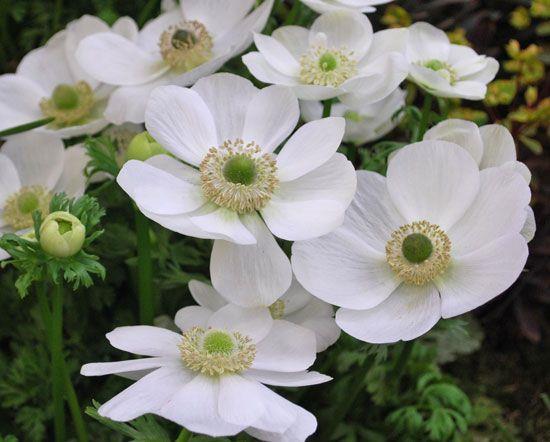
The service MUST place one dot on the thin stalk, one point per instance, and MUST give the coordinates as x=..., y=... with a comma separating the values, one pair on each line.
x=184, y=436
x=402, y=360
x=56, y=344
x=327, y=108
x=145, y=270
x=425, y=120
x=25, y=127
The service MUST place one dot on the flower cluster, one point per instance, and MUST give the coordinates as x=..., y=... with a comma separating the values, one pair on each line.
x=442, y=232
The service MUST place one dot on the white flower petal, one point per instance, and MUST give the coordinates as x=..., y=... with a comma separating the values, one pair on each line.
x=227, y=96
x=434, y=181
x=470, y=90
x=277, y=55
x=349, y=29
x=255, y=322
x=240, y=400
x=309, y=147
x=287, y=348
x=126, y=27
x=239, y=271
x=113, y=59
x=499, y=146
x=205, y=295
x=530, y=227
x=224, y=223
x=180, y=224
x=9, y=179
x=158, y=191
x=497, y=210
x=279, y=413
x=145, y=396
x=195, y=406
x=476, y=278
x=294, y=38
x=386, y=41
x=426, y=42
x=37, y=157
x=263, y=71
x=408, y=313
x=314, y=204
x=192, y=316
x=176, y=168
x=464, y=133
x=520, y=168
x=72, y=180
x=145, y=340
x=296, y=379
x=487, y=74
x=296, y=297
x=19, y=101
x=149, y=36
x=181, y=122
x=271, y=117
x=132, y=365
x=313, y=92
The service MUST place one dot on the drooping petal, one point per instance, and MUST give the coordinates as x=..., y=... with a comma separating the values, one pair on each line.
x=434, y=181
x=271, y=117
x=499, y=146
x=145, y=340
x=195, y=407
x=309, y=147
x=181, y=122
x=314, y=204
x=497, y=210
x=227, y=96
x=255, y=322
x=148, y=395
x=464, y=133
x=113, y=59
x=239, y=271
x=38, y=158
x=158, y=191
x=476, y=278
x=205, y=295
x=132, y=365
x=240, y=400
x=296, y=379
x=287, y=348
x=192, y=316
x=408, y=313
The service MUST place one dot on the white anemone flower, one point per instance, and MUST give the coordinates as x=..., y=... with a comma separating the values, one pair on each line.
x=176, y=48
x=435, y=238
x=490, y=146
x=211, y=378
x=227, y=130
x=49, y=83
x=338, y=57
x=322, y=6
x=33, y=167
x=296, y=305
x=365, y=122
x=444, y=69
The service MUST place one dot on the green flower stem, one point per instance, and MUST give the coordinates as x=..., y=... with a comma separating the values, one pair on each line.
x=25, y=127
x=184, y=436
x=56, y=344
x=145, y=270
x=426, y=109
x=402, y=360
x=327, y=107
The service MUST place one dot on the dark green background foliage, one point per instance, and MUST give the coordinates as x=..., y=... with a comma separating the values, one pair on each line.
x=483, y=377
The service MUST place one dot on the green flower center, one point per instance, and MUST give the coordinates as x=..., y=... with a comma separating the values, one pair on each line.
x=20, y=206
x=417, y=248
x=186, y=45
x=435, y=65
x=64, y=226
x=183, y=36
x=69, y=105
x=65, y=97
x=218, y=342
x=443, y=69
x=328, y=62
x=240, y=169
x=27, y=202
x=277, y=309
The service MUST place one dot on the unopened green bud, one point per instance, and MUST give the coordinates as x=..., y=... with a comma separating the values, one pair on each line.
x=62, y=234
x=142, y=147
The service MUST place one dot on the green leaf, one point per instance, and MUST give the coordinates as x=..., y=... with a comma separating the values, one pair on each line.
x=103, y=157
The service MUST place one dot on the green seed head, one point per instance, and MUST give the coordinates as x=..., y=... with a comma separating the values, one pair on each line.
x=328, y=62
x=28, y=202
x=65, y=97
x=240, y=169
x=417, y=248
x=435, y=65
x=182, y=36
x=218, y=342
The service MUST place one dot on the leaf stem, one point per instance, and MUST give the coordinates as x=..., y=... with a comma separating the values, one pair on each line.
x=25, y=127
x=56, y=345
x=145, y=270
x=184, y=436
x=425, y=120
x=327, y=107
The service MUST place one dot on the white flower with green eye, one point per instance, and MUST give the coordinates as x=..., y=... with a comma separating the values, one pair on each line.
x=180, y=46
x=364, y=122
x=322, y=6
x=235, y=188
x=339, y=56
x=490, y=146
x=33, y=167
x=49, y=83
x=295, y=305
x=210, y=378
x=444, y=69
x=435, y=238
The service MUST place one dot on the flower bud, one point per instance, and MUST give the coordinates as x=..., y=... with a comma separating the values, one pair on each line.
x=142, y=147
x=62, y=234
